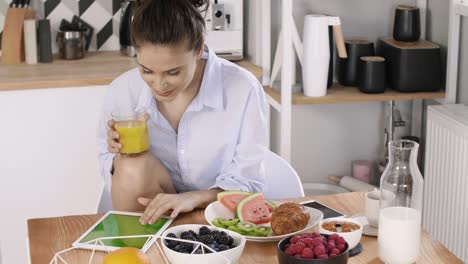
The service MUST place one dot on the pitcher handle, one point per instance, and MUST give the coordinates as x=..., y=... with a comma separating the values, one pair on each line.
x=339, y=39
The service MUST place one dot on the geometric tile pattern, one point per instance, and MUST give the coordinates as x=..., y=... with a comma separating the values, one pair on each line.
x=102, y=15
x=104, y=34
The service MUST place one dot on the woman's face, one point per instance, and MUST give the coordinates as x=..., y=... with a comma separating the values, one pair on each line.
x=167, y=69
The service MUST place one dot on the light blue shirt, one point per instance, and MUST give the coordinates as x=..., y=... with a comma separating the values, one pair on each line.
x=222, y=136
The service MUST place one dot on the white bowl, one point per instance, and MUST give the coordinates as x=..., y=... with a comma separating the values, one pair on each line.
x=213, y=258
x=352, y=238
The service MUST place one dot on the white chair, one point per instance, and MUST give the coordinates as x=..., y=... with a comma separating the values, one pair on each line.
x=104, y=202
x=282, y=180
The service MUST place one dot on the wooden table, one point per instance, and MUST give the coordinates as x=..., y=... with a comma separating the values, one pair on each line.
x=50, y=235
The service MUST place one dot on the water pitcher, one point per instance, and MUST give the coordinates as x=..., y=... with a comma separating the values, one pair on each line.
x=399, y=236
x=316, y=52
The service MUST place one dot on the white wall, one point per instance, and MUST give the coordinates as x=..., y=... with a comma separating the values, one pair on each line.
x=438, y=32
x=326, y=138
x=48, y=159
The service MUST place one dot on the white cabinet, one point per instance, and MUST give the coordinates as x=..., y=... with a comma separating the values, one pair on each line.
x=48, y=159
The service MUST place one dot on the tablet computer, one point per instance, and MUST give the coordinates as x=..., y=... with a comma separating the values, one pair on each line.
x=117, y=224
x=327, y=211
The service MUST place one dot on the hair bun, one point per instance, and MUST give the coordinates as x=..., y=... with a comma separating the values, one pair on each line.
x=199, y=3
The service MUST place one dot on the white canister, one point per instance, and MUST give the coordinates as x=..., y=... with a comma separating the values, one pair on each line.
x=30, y=41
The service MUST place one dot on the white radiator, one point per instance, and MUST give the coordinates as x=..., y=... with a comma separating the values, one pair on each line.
x=445, y=213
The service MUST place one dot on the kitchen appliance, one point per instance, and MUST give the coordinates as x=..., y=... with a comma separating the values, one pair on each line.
x=71, y=44
x=316, y=52
x=126, y=46
x=224, y=26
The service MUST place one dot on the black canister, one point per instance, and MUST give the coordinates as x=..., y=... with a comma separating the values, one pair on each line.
x=407, y=26
x=412, y=66
x=45, y=40
x=372, y=74
x=349, y=68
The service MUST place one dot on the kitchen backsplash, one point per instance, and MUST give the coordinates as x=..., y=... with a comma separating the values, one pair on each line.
x=102, y=15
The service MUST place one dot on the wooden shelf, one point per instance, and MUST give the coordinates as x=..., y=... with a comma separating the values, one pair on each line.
x=97, y=68
x=341, y=94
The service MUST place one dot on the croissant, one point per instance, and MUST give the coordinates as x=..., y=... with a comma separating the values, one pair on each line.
x=289, y=218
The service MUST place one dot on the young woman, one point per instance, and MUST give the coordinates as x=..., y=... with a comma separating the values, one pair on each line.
x=206, y=118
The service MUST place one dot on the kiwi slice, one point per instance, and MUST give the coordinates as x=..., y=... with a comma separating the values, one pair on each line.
x=229, y=222
x=217, y=222
x=262, y=231
x=252, y=234
x=246, y=226
x=237, y=230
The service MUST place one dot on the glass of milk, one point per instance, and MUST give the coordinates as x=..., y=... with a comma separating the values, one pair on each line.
x=399, y=236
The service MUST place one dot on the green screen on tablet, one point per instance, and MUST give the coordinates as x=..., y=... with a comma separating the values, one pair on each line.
x=123, y=225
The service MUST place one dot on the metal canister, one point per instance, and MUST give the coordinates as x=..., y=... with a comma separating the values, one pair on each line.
x=71, y=44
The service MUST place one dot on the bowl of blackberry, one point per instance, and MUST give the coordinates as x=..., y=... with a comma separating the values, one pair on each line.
x=202, y=244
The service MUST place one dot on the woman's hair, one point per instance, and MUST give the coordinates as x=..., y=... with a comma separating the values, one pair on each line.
x=169, y=22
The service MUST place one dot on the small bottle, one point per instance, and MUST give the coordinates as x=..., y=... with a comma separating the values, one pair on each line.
x=399, y=236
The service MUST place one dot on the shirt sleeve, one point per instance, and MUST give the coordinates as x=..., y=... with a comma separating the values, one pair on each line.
x=105, y=158
x=246, y=171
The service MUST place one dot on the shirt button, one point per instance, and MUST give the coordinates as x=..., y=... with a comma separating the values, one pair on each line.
x=182, y=151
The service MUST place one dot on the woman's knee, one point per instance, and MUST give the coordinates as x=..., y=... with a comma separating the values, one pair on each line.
x=141, y=172
x=131, y=170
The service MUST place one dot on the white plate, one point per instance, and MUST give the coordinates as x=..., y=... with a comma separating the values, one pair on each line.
x=216, y=209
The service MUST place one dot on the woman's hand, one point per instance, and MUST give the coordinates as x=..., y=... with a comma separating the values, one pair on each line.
x=177, y=203
x=113, y=145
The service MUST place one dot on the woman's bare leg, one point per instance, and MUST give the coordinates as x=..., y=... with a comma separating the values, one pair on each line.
x=140, y=176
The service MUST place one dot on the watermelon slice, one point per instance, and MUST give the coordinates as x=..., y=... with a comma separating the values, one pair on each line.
x=230, y=199
x=271, y=205
x=253, y=209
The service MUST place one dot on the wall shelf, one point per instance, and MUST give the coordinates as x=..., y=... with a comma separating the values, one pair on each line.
x=284, y=67
x=341, y=94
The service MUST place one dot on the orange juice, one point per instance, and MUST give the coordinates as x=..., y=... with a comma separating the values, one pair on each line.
x=133, y=136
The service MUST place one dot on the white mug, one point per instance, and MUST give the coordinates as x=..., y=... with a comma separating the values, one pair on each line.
x=372, y=210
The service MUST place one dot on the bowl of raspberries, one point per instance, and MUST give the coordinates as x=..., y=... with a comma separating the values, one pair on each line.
x=313, y=248
x=201, y=244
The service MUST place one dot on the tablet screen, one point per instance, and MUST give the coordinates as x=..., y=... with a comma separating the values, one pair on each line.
x=123, y=225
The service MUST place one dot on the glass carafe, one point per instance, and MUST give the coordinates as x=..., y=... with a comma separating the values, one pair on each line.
x=399, y=236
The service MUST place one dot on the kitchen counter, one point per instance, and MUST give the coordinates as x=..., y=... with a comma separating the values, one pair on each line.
x=97, y=68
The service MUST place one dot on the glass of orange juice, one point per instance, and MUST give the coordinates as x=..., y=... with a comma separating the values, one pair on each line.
x=133, y=131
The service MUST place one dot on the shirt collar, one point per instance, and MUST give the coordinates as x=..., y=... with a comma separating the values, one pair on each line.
x=211, y=89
